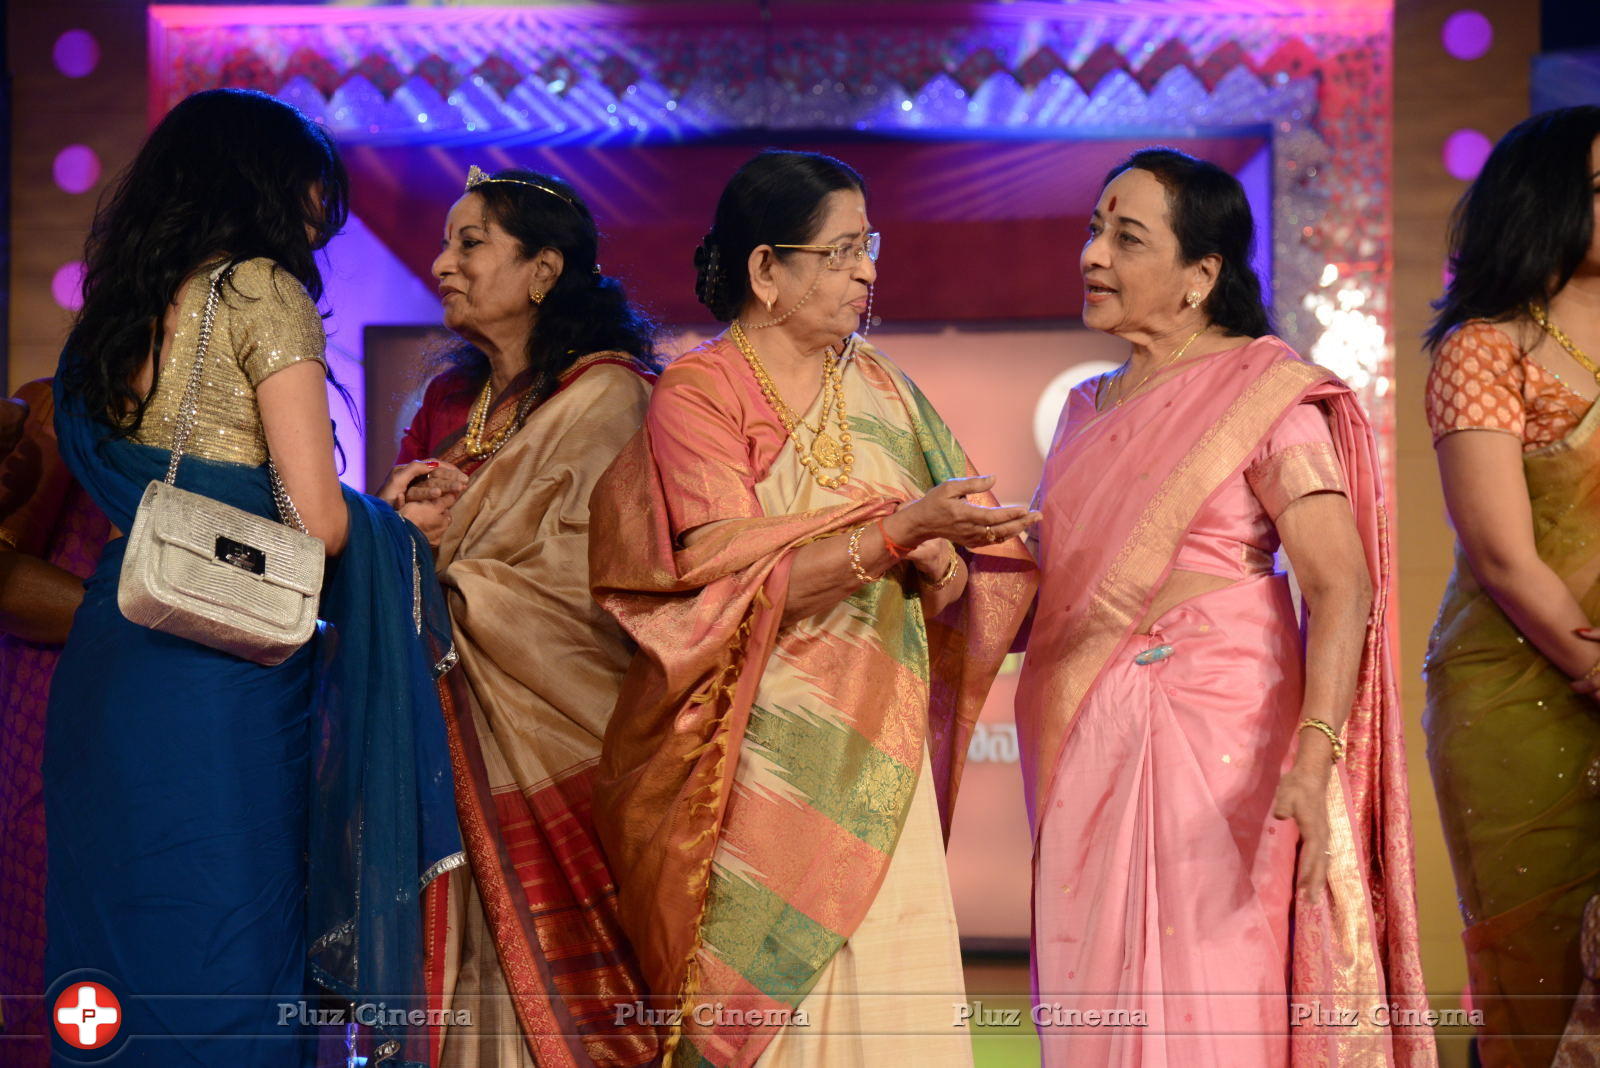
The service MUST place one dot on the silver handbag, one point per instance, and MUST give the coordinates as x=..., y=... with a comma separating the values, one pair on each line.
x=213, y=573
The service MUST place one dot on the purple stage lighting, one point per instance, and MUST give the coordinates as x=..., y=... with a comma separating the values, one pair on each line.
x=67, y=285
x=1464, y=153
x=1467, y=34
x=76, y=53
x=76, y=169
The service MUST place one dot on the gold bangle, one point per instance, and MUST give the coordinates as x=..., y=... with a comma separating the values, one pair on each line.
x=854, y=550
x=1591, y=673
x=949, y=571
x=1333, y=736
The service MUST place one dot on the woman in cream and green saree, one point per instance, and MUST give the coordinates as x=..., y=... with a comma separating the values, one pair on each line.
x=1513, y=728
x=822, y=593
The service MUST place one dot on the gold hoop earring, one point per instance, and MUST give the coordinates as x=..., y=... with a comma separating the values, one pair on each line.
x=770, y=302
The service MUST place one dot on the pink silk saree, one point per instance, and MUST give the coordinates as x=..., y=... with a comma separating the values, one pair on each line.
x=1180, y=903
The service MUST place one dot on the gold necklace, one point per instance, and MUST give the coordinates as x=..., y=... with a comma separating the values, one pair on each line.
x=1541, y=315
x=824, y=450
x=1124, y=395
x=473, y=440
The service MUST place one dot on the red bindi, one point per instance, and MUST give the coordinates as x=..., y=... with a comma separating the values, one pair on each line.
x=1113, y=205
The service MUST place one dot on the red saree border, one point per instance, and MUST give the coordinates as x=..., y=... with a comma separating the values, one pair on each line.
x=547, y=1027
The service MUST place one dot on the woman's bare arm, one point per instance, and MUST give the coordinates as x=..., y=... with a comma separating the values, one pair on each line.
x=1487, y=496
x=294, y=416
x=1320, y=537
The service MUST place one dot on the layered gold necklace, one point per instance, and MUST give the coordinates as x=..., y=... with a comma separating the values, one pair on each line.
x=473, y=441
x=1541, y=315
x=825, y=451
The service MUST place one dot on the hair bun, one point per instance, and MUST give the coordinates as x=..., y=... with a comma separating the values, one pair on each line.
x=710, y=279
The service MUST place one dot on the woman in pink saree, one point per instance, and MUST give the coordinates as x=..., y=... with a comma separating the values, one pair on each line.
x=1213, y=885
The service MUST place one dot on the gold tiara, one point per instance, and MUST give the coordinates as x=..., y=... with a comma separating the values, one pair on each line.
x=477, y=177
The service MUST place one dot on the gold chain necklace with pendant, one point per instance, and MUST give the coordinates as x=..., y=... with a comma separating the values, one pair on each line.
x=1541, y=315
x=1177, y=355
x=825, y=451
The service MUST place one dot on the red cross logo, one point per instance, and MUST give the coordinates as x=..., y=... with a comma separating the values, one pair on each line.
x=87, y=1015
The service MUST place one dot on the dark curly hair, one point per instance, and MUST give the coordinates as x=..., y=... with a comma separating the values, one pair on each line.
x=1210, y=216
x=585, y=311
x=774, y=199
x=1525, y=223
x=228, y=172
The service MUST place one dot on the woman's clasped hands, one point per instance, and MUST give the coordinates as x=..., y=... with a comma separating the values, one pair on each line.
x=424, y=491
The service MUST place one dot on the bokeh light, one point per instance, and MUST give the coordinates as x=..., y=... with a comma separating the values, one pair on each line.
x=76, y=53
x=66, y=285
x=1464, y=153
x=76, y=169
x=1467, y=34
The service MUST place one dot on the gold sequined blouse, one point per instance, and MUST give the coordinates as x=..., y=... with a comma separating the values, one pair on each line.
x=265, y=321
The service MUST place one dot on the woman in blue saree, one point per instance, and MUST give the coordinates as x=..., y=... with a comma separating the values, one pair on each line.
x=224, y=837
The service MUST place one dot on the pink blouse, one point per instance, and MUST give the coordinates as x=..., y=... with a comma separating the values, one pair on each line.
x=1233, y=536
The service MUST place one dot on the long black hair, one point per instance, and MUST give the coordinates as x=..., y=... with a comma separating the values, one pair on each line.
x=585, y=311
x=774, y=199
x=1210, y=216
x=228, y=172
x=1524, y=224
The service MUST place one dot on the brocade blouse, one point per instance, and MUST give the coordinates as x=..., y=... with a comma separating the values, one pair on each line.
x=1482, y=380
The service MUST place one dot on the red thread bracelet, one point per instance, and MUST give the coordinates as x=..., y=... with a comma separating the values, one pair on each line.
x=895, y=550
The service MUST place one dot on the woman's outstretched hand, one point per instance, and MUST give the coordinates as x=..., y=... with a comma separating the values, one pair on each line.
x=944, y=512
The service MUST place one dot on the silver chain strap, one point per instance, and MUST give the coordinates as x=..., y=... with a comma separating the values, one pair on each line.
x=288, y=514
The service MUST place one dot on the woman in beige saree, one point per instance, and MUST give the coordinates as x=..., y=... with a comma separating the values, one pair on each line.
x=813, y=654
x=1513, y=730
x=499, y=464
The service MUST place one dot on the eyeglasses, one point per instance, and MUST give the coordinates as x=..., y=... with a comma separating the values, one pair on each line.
x=844, y=257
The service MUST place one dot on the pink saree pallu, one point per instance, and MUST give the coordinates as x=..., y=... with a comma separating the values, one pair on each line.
x=1165, y=926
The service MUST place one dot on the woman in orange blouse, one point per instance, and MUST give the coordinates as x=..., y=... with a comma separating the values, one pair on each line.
x=1513, y=735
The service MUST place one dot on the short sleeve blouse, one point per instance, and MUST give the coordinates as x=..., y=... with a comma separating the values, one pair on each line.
x=265, y=322
x=1482, y=380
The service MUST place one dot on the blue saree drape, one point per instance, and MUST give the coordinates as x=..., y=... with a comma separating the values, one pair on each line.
x=227, y=839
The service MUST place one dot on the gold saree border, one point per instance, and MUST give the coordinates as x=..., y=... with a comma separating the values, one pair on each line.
x=1344, y=1031
x=1295, y=472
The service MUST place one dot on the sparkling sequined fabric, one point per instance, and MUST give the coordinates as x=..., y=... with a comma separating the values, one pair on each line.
x=265, y=322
